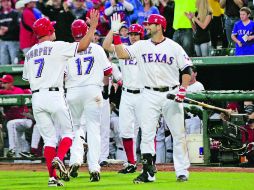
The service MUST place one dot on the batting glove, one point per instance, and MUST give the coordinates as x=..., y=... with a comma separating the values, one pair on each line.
x=181, y=94
x=116, y=23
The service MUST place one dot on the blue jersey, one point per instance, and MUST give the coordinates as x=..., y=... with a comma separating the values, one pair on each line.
x=120, y=9
x=241, y=32
x=143, y=15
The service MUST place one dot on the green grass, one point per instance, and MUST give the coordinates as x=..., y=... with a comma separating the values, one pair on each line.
x=11, y=180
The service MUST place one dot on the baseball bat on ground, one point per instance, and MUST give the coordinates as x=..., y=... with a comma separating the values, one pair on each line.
x=194, y=102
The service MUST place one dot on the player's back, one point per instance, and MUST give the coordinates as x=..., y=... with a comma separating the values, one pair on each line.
x=45, y=63
x=87, y=67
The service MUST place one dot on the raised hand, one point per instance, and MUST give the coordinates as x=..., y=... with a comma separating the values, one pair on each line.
x=116, y=23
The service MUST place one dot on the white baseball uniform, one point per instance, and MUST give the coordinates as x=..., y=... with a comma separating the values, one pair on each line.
x=105, y=118
x=164, y=147
x=195, y=87
x=114, y=134
x=84, y=81
x=16, y=135
x=194, y=124
x=130, y=98
x=44, y=68
x=129, y=104
x=160, y=64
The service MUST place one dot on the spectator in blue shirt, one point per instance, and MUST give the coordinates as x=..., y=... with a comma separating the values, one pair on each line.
x=146, y=10
x=242, y=33
x=122, y=7
x=134, y=16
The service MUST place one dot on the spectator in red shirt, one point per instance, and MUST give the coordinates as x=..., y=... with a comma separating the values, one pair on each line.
x=26, y=35
x=14, y=115
x=11, y=112
x=103, y=26
x=9, y=88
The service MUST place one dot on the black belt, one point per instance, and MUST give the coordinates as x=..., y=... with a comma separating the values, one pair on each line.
x=132, y=91
x=49, y=89
x=163, y=89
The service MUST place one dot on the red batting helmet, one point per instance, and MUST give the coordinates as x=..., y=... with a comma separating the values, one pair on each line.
x=79, y=29
x=136, y=28
x=43, y=27
x=157, y=19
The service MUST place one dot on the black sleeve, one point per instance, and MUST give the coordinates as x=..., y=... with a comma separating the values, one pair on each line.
x=44, y=9
x=14, y=25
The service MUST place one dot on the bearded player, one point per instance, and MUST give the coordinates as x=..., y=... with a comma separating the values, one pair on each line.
x=160, y=59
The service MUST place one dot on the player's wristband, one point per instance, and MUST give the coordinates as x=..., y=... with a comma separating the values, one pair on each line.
x=117, y=40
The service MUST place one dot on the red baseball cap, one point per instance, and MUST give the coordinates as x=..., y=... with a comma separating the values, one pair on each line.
x=7, y=79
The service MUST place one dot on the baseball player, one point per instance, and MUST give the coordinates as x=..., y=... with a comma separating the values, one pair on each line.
x=105, y=123
x=193, y=123
x=130, y=98
x=44, y=68
x=105, y=117
x=84, y=80
x=160, y=59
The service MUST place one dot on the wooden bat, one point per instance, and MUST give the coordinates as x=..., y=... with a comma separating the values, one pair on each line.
x=194, y=102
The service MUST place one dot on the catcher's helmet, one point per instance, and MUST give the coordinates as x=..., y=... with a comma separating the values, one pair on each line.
x=43, y=27
x=136, y=28
x=79, y=29
x=157, y=19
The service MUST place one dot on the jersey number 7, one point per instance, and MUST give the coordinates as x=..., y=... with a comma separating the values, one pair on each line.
x=87, y=63
x=40, y=62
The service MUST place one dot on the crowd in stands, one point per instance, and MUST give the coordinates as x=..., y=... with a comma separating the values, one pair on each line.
x=199, y=26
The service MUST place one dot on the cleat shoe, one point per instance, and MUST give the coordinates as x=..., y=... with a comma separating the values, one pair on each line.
x=155, y=169
x=128, y=168
x=27, y=154
x=73, y=171
x=95, y=176
x=58, y=164
x=148, y=174
x=53, y=182
x=145, y=177
x=182, y=178
x=104, y=164
x=10, y=153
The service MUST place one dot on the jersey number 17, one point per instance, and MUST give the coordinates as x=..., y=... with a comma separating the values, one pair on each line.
x=87, y=63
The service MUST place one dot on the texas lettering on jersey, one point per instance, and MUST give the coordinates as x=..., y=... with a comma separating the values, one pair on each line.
x=130, y=62
x=157, y=58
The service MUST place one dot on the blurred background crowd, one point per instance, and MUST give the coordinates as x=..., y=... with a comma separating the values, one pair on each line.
x=202, y=27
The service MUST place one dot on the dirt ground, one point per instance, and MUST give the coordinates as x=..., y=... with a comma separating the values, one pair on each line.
x=116, y=167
